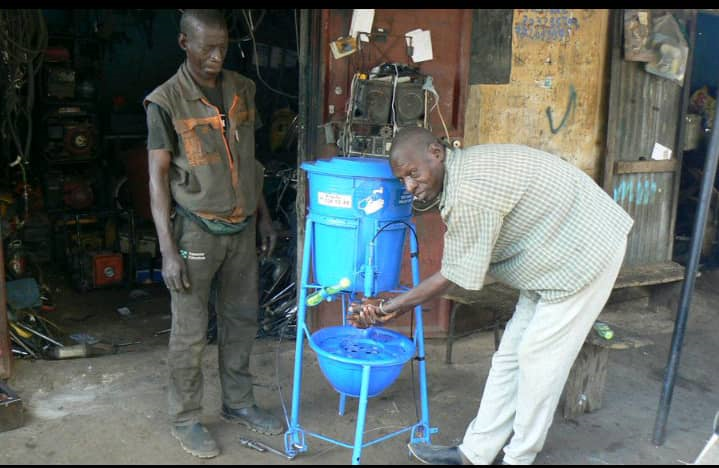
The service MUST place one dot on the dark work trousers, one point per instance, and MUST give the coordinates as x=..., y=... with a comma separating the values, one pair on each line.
x=233, y=259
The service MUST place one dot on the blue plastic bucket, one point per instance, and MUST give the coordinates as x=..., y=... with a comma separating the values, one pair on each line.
x=342, y=351
x=354, y=201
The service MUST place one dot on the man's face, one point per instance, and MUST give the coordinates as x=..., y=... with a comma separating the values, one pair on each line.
x=421, y=171
x=206, y=48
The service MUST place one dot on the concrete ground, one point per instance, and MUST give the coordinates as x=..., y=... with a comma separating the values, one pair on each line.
x=112, y=409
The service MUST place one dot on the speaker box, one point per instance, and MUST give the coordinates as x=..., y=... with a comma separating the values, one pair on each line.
x=409, y=104
x=373, y=102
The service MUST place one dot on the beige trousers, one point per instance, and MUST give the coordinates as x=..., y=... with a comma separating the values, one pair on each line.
x=530, y=368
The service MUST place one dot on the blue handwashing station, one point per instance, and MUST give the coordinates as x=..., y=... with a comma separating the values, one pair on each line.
x=357, y=225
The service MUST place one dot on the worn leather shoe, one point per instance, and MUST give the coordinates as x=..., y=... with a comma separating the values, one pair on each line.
x=196, y=440
x=438, y=454
x=255, y=418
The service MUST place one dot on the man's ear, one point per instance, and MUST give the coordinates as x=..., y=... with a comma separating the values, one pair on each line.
x=437, y=151
x=182, y=40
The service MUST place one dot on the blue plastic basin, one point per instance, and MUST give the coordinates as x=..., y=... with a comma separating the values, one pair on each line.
x=342, y=351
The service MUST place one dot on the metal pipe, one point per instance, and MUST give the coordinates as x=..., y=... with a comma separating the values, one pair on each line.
x=670, y=373
x=21, y=343
x=35, y=332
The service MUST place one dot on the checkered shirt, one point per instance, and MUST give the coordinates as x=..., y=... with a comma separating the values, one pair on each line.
x=527, y=218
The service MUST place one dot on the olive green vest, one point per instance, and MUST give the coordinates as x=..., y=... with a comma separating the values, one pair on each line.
x=213, y=176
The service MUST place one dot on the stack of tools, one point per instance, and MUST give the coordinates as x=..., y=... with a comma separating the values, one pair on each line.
x=32, y=335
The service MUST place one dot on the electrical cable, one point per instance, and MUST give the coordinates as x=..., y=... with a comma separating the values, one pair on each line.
x=411, y=327
x=297, y=34
x=394, y=93
x=439, y=111
x=25, y=192
x=345, y=141
x=23, y=40
x=248, y=19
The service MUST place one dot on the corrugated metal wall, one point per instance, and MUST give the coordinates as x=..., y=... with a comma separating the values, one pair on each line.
x=647, y=197
x=648, y=112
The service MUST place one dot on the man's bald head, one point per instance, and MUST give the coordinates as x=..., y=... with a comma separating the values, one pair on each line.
x=417, y=158
x=415, y=139
x=192, y=19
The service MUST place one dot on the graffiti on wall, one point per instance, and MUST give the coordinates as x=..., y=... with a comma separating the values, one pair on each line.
x=639, y=192
x=548, y=25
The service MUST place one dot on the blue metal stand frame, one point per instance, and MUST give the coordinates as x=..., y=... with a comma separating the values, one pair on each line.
x=295, y=435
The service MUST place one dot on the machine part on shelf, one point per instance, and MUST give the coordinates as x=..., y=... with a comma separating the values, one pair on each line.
x=386, y=132
x=70, y=134
x=79, y=139
x=78, y=194
x=60, y=82
x=37, y=239
x=107, y=269
x=56, y=54
x=86, y=89
x=369, y=145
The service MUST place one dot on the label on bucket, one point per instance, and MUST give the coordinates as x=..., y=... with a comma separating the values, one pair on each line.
x=405, y=197
x=336, y=200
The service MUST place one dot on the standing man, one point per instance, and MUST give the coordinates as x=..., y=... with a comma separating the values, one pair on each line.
x=533, y=222
x=206, y=196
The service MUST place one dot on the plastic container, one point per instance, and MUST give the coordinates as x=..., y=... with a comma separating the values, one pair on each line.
x=343, y=351
x=355, y=202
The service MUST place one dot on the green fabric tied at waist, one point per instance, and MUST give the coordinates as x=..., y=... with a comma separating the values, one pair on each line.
x=214, y=226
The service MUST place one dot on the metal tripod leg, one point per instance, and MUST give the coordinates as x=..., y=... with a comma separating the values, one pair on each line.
x=361, y=415
x=422, y=430
x=294, y=437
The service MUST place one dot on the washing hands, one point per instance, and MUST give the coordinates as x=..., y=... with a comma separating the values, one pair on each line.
x=369, y=312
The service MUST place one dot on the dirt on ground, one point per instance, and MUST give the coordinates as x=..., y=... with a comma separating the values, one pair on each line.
x=113, y=409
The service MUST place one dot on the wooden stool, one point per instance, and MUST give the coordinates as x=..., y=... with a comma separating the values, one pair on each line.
x=585, y=385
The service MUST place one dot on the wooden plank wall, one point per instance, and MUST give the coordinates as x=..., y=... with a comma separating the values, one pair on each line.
x=552, y=50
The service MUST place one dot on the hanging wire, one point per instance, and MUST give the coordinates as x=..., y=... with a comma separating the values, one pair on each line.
x=297, y=34
x=248, y=18
x=394, y=93
x=345, y=141
x=23, y=40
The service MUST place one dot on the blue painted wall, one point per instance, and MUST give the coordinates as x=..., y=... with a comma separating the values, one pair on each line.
x=706, y=58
